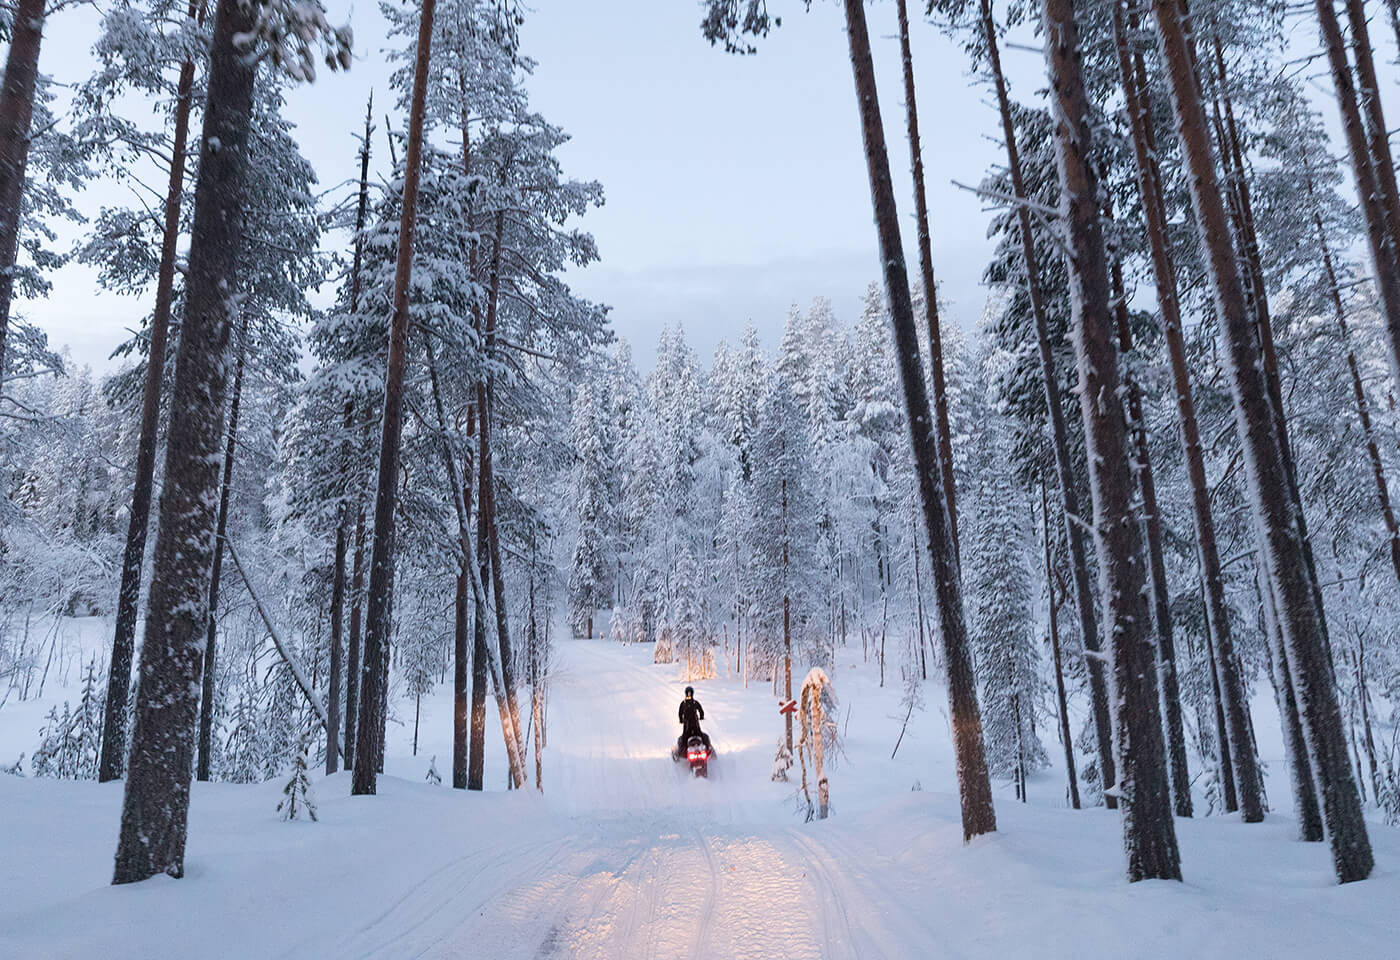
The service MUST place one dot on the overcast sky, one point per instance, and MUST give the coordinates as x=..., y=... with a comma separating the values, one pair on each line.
x=735, y=185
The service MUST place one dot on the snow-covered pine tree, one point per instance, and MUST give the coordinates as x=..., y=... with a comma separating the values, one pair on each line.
x=783, y=534
x=299, y=794
x=1001, y=620
x=589, y=573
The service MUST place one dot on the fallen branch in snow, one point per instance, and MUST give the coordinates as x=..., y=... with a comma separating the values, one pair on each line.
x=285, y=651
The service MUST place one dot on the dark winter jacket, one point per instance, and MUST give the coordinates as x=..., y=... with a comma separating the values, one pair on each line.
x=691, y=713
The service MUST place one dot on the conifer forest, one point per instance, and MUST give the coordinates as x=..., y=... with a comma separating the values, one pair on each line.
x=403, y=409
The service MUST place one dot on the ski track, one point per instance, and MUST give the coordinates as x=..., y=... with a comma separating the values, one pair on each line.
x=652, y=863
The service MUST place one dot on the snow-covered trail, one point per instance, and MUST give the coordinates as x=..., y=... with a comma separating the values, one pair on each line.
x=626, y=857
x=657, y=863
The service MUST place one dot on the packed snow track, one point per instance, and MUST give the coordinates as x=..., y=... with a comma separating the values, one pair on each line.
x=626, y=856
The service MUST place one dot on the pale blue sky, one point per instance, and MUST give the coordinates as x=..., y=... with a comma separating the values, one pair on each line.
x=735, y=185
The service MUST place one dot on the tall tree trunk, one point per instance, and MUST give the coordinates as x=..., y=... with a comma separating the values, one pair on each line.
x=1276, y=518
x=935, y=331
x=974, y=785
x=1066, y=737
x=484, y=398
x=336, y=665
x=1380, y=232
x=460, y=641
x=353, y=660
x=1149, y=833
x=16, y=112
x=129, y=598
x=1377, y=133
x=1295, y=743
x=1069, y=497
x=155, y=805
x=206, y=712
x=787, y=626
x=369, y=757
x=1170, y=692
x=1235, y=749
x=342, y=531
x=476, y=760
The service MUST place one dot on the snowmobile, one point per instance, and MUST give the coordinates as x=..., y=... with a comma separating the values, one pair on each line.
x=697, y=754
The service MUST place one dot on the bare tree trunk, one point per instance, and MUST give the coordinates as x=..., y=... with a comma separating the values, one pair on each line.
x=487, y=517
x=935, y=332
x=1170, y=692
x=206, y=713
x=129, y=596
x=16, y=113
x=1149, y=833
x=978, y=813
x=1230, y=797
x=1073, y=518
x=1235, y=705
x=1060, y=700
x=353, y=660
x=370, y=755
x=336, y=665
x=1276, y=517
x=342, y=531
x=476, y=756
x=155, y=805
x=1380, y=231
x=1295, y=743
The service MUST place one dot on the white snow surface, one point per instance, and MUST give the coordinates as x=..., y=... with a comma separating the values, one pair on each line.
x=626, y=857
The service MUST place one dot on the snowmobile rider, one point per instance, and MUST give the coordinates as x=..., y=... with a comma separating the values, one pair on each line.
x=691, y=713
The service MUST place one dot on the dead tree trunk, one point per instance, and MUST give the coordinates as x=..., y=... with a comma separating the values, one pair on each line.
x=369, y=758
x=155, y=806
x=206, y=713
x=935, y=331
x=1064, y=470
x=138, y=524
x=16, y=112
x=1149, y=833
x=342, y=529
x=1234, y=750
x=1276, y=518
x=978, y=813
x=1060, y=700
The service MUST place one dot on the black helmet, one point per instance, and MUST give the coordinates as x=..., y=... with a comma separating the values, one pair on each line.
x=690, y=691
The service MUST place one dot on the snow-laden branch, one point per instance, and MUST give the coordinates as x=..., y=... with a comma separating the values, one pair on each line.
x=282, y=648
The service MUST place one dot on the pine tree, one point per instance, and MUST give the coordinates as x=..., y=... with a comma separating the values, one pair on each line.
x=299, y=795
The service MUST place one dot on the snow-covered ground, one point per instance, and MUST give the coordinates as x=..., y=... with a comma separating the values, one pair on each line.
x=626, y=857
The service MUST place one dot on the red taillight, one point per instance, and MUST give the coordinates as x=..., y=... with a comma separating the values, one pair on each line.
x=697, y=755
